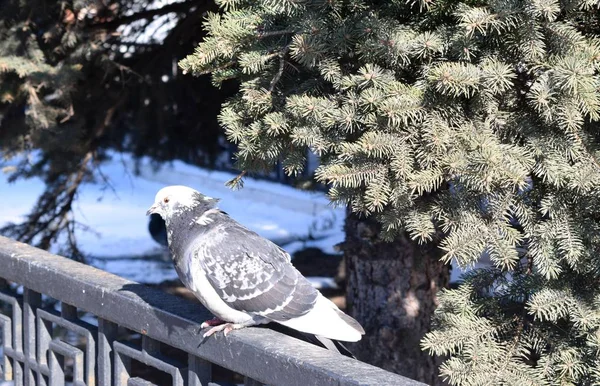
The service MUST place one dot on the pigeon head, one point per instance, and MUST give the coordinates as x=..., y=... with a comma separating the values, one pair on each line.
x=176, y=199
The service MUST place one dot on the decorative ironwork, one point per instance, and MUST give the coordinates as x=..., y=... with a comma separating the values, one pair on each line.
x=41, y=346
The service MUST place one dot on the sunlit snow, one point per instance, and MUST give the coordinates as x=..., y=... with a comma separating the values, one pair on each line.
x=120, y=242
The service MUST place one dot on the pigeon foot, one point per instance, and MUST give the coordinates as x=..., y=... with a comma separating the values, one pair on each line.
x=212, y=322
x=226, y=328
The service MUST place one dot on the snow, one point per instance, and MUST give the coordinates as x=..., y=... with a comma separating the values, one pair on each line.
x=120, y=242
x=141, y=270
x=148, y=31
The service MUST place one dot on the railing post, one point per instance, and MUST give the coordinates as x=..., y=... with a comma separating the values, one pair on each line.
x=44, y=337
x=31, y=302
x=68, y=312
x=107, y=333
x=150, y=346
x=57, y=374
x=122, y=369
x=199, y=371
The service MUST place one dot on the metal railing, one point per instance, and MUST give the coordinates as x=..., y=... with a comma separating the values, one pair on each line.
x=33, y=354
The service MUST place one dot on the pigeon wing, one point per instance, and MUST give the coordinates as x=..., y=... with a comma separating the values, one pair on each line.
x=253, y=275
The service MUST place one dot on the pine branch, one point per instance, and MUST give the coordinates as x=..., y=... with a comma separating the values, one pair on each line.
x=279, y=73
x=475, y=132
x=268, y=34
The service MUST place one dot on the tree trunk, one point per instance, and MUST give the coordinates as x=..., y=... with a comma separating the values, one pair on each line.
x=392, y=292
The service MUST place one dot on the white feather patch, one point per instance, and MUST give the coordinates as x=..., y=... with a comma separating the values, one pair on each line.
x=183, y=195
x=278, y=308
x=324, y=320
x=205, y=218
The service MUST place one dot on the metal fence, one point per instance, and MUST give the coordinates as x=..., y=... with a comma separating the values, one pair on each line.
x=33, y=354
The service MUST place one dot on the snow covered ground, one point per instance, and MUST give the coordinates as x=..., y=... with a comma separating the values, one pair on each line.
x=121, y=242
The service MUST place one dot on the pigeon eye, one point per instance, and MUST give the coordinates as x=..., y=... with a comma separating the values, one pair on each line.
x=166, y=200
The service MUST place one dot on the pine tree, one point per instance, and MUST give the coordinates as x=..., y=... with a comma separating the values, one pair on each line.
x=75, y=81
x=470, y=126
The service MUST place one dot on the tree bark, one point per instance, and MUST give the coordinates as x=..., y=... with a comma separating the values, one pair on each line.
x=392, y=291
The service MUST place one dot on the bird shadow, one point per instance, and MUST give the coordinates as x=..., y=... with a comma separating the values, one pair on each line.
x=177, y=315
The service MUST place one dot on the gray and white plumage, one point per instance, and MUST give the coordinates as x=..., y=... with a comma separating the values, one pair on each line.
x=241, y=277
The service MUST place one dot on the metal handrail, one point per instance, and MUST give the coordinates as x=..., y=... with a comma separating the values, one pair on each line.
x=262, y=355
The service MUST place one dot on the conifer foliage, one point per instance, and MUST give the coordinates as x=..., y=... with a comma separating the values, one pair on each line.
x=78, y=77
x=471, y=124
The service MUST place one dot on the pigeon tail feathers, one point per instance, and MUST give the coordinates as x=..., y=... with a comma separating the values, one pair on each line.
x=326, y=320
x=334, y=345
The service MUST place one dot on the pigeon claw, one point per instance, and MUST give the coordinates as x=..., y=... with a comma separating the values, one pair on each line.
x=226, y=328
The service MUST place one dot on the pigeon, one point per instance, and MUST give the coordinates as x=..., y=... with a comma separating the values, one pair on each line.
x=242, y=278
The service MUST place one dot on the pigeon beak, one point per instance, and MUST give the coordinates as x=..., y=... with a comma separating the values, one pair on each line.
x=151, y=210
